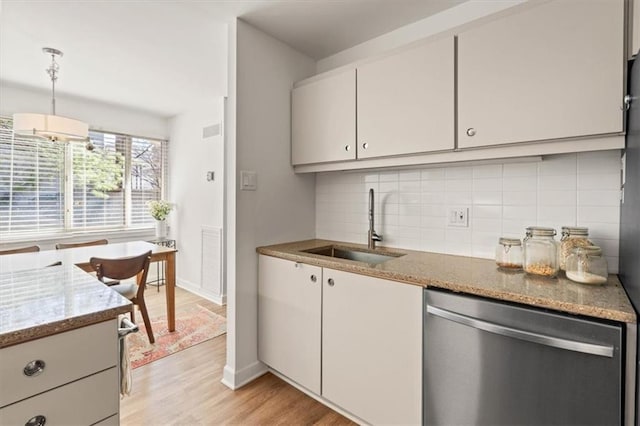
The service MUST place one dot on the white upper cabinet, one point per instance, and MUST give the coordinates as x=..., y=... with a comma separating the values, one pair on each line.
x=323, y=120
x=406, y=101
x=555, y=70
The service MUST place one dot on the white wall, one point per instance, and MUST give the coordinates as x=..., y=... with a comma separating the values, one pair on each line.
x=451, y=18
x=502, y=198
x=198, y=202
x=282, y=208
x=100, y=116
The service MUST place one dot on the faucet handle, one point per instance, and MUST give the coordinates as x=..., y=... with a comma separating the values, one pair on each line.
x=376, y=237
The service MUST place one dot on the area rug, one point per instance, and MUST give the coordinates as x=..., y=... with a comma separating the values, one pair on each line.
x=194, y=325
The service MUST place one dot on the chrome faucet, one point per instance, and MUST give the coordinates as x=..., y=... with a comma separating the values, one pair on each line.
x=372, y=236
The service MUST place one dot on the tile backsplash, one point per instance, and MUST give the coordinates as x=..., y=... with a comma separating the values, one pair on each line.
x=412, y=206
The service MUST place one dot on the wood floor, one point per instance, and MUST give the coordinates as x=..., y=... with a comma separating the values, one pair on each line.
x=185, y=388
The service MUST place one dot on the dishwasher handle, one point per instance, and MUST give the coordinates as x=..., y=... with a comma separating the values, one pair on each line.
x=541, y=339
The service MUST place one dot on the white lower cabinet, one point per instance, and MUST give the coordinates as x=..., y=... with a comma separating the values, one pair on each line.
x=68, y=378
x=354, y=340
x=372, y=347
x=289, y=315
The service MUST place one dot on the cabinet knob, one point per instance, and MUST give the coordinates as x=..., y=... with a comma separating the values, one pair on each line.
x=33, y=368
x=313, y=278
x=365, y=145
x=38, y=420
x=330, y=282
x=347, y=147
x=471, y=131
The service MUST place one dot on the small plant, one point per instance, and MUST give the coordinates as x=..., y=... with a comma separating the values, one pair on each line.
x=159, y=209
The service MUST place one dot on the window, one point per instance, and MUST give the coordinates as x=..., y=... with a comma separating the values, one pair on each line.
x=50, y=187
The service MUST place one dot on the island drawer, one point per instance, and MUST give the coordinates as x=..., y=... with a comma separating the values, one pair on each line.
x=56, y=360
x=93, y=400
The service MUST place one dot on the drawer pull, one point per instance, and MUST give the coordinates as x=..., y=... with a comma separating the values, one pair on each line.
x=38, y=420
x=33, y=369
x=330, y=282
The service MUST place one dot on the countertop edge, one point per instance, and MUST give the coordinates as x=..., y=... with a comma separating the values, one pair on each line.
x=24, y=335
x=426, y=282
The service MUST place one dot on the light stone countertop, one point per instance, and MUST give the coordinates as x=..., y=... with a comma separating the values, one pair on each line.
x=44, y=301
x=473, y=276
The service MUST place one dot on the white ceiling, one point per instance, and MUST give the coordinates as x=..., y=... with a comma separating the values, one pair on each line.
x=163, y=56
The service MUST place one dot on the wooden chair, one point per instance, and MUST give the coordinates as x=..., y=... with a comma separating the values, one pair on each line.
x=30, y=249
x=121, y=269
x=61, y=246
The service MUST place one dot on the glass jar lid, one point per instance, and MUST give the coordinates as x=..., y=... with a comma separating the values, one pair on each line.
x=539, y=231
x=575, y=230
x=588, y=250
x=509, y=241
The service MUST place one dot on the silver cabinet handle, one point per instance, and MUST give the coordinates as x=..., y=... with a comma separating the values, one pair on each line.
x=34, y=368
x=365, y=145
x=38, y=420
x=471, y=131
x=313, y=278
x=541, y=339
x=330, y=282
x=347, y=147
x=127, y=327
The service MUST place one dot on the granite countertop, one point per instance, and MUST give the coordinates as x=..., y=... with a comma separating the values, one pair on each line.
x=474, y=276
x=44, y=301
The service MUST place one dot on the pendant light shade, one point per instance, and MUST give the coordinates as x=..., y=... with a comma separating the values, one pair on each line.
x=50, y=126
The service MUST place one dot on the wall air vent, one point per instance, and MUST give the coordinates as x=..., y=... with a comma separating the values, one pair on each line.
x=210, y=131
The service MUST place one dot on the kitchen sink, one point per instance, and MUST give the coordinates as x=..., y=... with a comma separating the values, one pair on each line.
x=353, y=254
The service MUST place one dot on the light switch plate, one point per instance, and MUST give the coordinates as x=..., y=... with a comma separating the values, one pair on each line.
x=248, y=180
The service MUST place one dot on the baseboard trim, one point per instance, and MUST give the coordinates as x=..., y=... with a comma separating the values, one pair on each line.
x=318, y=398
x=236, y=379
x=195, y=289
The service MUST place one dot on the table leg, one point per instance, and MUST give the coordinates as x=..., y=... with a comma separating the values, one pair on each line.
x=170, y=278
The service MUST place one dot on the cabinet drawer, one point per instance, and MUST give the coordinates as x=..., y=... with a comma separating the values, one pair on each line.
x=67, y=356
x=83, y=402
x=111, y=421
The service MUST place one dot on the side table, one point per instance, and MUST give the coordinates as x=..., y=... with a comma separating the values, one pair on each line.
x=160, y=272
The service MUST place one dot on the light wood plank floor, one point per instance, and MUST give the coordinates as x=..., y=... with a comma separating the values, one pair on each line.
x=185, y=388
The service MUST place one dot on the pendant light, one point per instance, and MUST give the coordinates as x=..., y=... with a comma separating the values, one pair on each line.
x=50, y=126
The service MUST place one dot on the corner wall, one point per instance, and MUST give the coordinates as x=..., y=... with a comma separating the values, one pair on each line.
x=283, y=206
x=198, y=202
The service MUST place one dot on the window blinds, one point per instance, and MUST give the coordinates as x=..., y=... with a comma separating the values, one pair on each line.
x=31, y=184
x=50, y=187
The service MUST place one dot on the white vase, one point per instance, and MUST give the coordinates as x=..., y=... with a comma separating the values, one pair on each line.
x=161, y=229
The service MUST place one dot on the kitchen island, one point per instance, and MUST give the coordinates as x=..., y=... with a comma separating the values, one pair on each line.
x=58, y=346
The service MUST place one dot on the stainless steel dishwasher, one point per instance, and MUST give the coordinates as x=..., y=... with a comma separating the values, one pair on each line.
x=492, y=363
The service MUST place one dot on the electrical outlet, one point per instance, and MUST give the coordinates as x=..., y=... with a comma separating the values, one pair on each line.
x=458, y=217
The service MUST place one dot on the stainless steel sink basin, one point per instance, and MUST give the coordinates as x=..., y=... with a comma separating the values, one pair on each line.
x=353, y=254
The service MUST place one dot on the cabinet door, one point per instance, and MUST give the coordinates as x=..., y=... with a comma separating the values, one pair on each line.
x=289, y=313
x=323, y=120
x=406, y=102
x=372, y=347
x=552, y=71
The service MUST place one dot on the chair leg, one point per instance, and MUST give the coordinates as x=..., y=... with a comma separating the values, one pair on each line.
x=133, y=314
x=145, y=317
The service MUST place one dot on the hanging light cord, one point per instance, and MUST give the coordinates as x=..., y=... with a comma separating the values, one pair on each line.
x=53, y=73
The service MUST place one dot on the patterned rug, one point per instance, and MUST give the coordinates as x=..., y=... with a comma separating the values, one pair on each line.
x=193, y=326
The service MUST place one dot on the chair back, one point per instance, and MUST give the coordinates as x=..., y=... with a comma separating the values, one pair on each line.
x=61, y=246
x=123, y=268
x=30, y=249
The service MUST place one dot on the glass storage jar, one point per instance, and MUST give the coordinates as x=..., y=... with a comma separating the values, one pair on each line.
x=541, y=252
x=572, y=236
x=586, y=265
x=509, y=253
